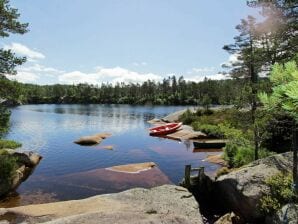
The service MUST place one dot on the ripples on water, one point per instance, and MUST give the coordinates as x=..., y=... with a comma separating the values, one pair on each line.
x=51, y=129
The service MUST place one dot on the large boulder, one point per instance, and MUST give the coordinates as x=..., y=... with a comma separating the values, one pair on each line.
x=164, y=204
x=242, y=189
x=287, y=214
x=25, y=164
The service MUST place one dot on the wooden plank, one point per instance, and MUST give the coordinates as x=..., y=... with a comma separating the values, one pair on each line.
x=187, y=176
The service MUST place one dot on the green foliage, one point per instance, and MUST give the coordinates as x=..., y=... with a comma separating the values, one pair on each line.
x=279, y=129
x=285, y=90
x=240, y=149
x=9, y=144
x=187, y=117
x=237, y=156
x=9, y=24
x=157, y=93
x=210, y=129
x=206, y=101
x=8, y=166
x=4, y=119
x=281, y=193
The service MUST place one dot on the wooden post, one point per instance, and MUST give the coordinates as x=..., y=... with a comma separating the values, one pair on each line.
x=187, y=176
x=201, y=174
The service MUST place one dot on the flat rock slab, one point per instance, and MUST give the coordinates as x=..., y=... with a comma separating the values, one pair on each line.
x=156, y=121
x=186, y=134
x=174, y=117
x=164, y=204
x=217, y=159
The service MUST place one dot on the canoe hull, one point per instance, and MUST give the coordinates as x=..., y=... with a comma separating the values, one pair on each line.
x=209, y=145
x=165, y=129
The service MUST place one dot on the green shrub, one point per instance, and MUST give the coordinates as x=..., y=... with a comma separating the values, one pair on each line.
x=3, y=152
x=280, y=193
x=187, y=117
x=239, y=155
x=4, y=119
x=209, y=129
x=8, y=165
x=9, y=144
x=230, y=152
x=246, y=155
x=201, y=112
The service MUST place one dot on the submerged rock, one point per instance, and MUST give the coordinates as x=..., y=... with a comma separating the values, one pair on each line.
x=164, y=204
x=133, y=168
x=242, y=189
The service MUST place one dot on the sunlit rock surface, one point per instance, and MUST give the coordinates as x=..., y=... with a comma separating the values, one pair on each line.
x=163, y=204
x=242, y=189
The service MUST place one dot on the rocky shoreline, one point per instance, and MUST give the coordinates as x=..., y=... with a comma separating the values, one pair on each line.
x=231, y=198
x=26, y=162
x=164, y=204
x=237, y=194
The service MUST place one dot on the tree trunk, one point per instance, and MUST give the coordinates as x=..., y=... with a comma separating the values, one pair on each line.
x=254, y=89
x=295, y=159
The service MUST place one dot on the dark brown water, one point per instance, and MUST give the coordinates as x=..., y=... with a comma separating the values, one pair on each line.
x=63, y=172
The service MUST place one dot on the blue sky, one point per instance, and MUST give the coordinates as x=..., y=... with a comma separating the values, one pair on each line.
x=96, y=41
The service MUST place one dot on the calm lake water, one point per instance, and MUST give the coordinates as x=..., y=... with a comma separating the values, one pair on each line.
x=51, y=129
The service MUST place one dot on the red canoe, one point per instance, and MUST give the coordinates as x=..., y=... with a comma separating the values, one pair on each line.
x=165, y=129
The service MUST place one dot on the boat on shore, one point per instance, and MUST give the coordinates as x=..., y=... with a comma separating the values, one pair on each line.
x=210, y=143
x=165, y=129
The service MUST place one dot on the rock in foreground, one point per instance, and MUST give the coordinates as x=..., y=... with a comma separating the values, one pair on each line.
x=242, y=189
x=25, y=164
x=164, y=204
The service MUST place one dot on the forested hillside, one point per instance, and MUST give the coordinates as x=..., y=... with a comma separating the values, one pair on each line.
x=171, y=91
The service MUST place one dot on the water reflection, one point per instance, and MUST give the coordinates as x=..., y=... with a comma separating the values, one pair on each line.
x=51, y=129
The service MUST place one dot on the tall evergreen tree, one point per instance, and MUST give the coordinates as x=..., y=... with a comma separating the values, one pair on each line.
x=278, y=30
x=8, y=60
x=9, y=24
x=248, y=63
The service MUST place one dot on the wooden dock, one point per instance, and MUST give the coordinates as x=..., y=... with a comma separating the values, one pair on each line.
x=189, y=180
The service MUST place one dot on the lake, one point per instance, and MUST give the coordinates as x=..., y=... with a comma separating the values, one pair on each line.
x=51, y=129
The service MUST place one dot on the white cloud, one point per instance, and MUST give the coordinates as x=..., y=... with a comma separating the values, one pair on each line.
x=198, y=70
x=111, y=75
x=233, y=58
x=40, y=69
x=24, y=51
x=200, y=78
x=140, y=63
x=34, y=73
x=25, y=77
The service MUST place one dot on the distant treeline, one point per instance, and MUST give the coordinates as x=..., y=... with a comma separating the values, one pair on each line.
x=170, y=91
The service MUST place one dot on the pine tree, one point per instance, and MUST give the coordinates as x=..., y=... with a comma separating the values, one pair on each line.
x=9, y=24
x=248, y=63
x=285, y=98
